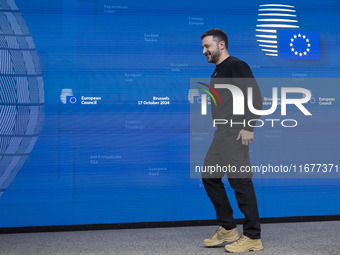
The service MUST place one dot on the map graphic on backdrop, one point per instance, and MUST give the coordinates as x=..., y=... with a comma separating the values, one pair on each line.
x=115, y=138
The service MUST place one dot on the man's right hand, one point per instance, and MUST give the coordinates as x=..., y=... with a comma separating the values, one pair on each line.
x=246, y=137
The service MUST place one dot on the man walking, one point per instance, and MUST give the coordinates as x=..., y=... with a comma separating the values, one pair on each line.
x=230, y=148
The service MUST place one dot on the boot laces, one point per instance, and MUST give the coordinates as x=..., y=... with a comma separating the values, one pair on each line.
x=216, y=231
x=241, y=239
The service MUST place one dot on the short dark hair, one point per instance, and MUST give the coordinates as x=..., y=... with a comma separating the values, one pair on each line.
x=218, y=35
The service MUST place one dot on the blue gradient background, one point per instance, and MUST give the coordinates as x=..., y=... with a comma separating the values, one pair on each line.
x=83, y=48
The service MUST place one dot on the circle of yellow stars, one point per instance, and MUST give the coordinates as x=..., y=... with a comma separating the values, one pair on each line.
x=297, y=53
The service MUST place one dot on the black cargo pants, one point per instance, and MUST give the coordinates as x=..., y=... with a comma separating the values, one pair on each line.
x=228, y=153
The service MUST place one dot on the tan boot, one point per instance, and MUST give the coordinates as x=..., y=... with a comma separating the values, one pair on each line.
x=244, y=244
x=222, y=235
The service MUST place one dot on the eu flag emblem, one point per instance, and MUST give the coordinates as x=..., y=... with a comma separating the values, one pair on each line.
x=295, y=44
x=72, y=100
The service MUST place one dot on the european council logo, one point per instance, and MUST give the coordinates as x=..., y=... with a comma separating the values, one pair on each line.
x=72, y=100
x=299, y=44
x=278, y=34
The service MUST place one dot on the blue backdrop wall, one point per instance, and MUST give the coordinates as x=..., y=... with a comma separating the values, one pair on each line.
x=77, y=147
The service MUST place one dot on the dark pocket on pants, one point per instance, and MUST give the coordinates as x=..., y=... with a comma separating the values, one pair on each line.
x=240, y=152
x=241, y=161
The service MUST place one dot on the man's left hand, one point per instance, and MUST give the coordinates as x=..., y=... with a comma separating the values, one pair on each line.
x=246, y=137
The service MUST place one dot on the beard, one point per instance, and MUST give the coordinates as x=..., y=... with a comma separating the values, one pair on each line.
x=214, y=56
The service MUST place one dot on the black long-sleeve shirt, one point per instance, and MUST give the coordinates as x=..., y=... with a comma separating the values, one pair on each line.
x=236, y=72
